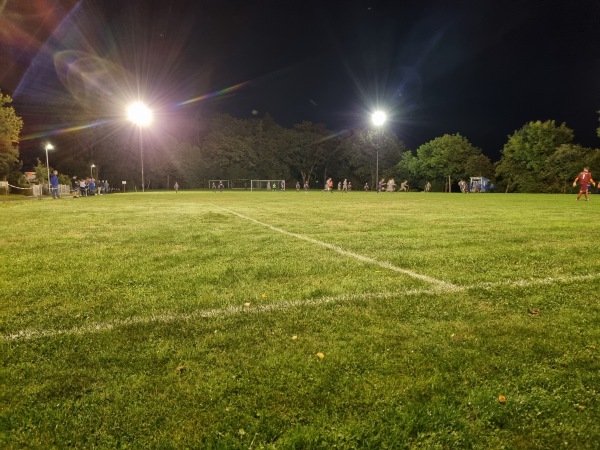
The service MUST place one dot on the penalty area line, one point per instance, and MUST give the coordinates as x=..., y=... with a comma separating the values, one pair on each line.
x=285, y=305
x=441, y=284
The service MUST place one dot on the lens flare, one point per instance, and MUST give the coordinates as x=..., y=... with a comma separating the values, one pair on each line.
x=64, y=130
x=213, y=94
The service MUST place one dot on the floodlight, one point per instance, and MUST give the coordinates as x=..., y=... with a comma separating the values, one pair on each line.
x=139, y=114
x=378, y=118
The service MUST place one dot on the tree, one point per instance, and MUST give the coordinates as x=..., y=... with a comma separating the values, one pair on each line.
x=450, y=156
x=306, y=148
x=524, y=155
x=359, y=150
x=480, y=165
x=10, y=128
x=562, y=166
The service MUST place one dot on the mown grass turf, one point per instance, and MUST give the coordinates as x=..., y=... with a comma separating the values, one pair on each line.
x=164, y=320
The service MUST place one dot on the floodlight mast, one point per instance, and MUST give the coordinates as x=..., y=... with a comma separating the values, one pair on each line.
x=378, y=119
x=141, y=115
x=49, y=146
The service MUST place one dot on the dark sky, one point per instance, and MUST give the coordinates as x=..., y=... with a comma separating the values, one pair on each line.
x=480, y=68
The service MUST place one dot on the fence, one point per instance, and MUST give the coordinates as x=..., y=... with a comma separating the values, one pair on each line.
x=35, y=190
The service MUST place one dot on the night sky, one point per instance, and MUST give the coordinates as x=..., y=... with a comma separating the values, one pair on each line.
x=479, y=68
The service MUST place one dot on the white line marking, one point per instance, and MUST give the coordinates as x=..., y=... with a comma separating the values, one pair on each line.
x=443, y=285
x=534, y=281
x=99, y=327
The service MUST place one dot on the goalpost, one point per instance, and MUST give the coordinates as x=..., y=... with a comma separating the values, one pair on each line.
x=267, y=185
x=217, y=182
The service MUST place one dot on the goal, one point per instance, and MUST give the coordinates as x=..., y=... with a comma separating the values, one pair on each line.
x=267, y=185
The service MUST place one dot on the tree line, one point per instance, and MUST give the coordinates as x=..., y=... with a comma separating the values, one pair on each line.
x=539, y=157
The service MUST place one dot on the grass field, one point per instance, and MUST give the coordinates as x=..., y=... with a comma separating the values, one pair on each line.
x=292, y=320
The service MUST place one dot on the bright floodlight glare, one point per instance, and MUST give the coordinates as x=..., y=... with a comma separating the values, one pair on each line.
x=378, y=118
x=139, y=114
x=49, y=146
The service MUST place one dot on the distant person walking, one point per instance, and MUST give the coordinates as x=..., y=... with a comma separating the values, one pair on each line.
x=54, y=189
x=306, y=186
x=176, y=187
x=584, y=178
x=221, y=187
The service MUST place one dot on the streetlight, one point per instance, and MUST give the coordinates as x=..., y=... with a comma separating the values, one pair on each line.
x=49, y=146
x=92, y=170
x=378, y=119
x=140, y=115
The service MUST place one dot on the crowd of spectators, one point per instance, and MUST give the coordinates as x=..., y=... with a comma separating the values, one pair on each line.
x=85, y=187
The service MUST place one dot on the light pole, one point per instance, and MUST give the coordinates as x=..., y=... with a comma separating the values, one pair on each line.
x=49, y=146
x=378, y=119
x=140, y=115
x=92, y=170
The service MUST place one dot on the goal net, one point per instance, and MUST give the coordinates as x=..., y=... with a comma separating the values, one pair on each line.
x=267, y=185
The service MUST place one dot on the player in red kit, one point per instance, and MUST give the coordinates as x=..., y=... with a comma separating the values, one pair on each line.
x=584, y=178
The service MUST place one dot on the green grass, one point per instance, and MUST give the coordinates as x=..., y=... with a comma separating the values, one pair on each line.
x=194, y=320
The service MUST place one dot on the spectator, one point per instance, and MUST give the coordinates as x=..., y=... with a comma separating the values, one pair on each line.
x=54, y=188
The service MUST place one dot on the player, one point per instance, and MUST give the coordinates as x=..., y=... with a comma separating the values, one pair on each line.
x=584, y=178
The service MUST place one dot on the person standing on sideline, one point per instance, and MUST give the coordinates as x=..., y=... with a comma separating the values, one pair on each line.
x=54, y=184
x=345, y=186
x=221, y=187
x=366, y=187
x=74, y=187
x=176, y=187
x=584, y=178
x=306, y=186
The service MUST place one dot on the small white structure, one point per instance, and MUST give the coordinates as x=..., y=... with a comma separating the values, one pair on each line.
x=479, y=184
